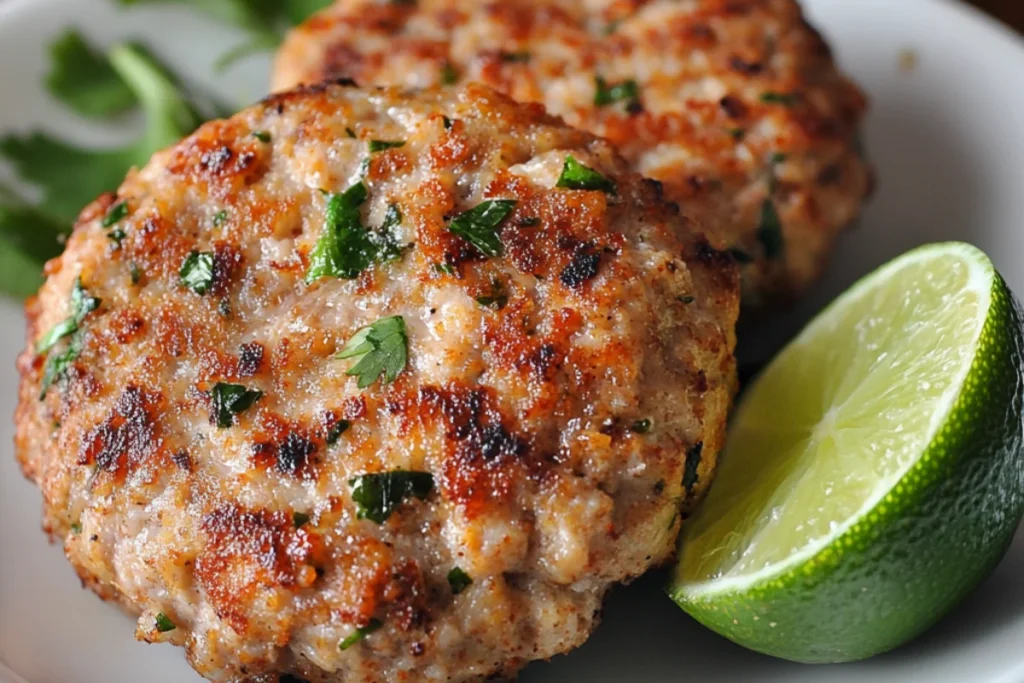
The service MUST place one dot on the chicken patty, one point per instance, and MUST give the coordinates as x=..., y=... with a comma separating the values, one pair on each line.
x=368, y=385
x=736, y=105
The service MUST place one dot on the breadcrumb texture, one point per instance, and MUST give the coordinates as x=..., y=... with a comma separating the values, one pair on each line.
x=563, y=428
x=736, y=105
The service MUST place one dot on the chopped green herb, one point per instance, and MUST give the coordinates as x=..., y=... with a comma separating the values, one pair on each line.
x=785, y=99
x=336, y=430
x=117, y=235
x=444, y=268
x=224, y=308
x=299, y=519
x=381, y=145
x=135, y=273
x=687, y=299
x=521, y=57
x=640, y=426
x=528, y=222
x=76, y=528
x=692, y=463
x=386, y=239
x=116, y=213
x=164, y=623
x=219, y=218
x=576, y=176
x=737, y=133
x=82, y=304
x=769, y=230
x=57, y=364
x=612, y=27
x=458, y=580
x=448, y=74
x=447, y=122
x=381, y=349
x=83, y=79
x=197, y=272
x=229, y=400
x=378, y=495
x=359, y=634
x=479, y=225
x=344, y=249
x=605, y=94
x=262, y=136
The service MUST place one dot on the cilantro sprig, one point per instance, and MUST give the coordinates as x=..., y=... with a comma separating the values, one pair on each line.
x=58, y=363
x=228, y=400
x=381, y=349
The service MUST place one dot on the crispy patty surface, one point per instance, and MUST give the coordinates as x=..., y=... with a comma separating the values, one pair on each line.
x=736, y=105
x=536, y=366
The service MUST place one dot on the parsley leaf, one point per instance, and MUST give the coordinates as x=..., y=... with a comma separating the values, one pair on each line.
x=115, y=214
x=28, y=238
x=70, y=177
x=448, y=74
x=381, y=145
x=479, y=225
x=359, y=634
x=83, y=79
x=82, y=304
x=299, y=519
x=497, y=299
x=344, y=249
x=605, y=94
x=262, y=135
x=769, y=230
x=336, y=430
x=576, y=176
x=164, y=623
x=641, y=426
x=458, y=580
x=197, y=272
x=57, y=364
x=378, y=495
x=785, y=99
x=389, y=248
x=382, y=349
x=264, y=20
x=229, y=400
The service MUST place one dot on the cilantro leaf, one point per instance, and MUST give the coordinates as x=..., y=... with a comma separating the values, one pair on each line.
x=229, y=400
x=769, y=230
x=458, y=580
x=378, y=495
x=497, y=299
x=479, y=225
x=388, y=245
x=605, y=94
x=197, y=272
x=359, y=634
x=576, y=176
x=785, y=99
x=83, y=79
x=57, y=364
x=28, y=238
x=382, y=349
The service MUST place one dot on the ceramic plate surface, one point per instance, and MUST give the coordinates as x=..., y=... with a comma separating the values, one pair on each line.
x=948, y=140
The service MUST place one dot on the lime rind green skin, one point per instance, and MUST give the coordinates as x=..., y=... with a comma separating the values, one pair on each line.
x=931, y=540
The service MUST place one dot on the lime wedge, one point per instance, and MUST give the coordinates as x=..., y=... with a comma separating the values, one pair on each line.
x=873, y=474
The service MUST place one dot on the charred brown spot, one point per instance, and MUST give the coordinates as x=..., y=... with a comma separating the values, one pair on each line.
x=733, y=107
x=182, y=460
x=250, y=359
x=126, y=325
x=582, y=268
x=406, y=595
x=247, y=553
x=126, y=439
x=216, y=160
x=294, y=454
x=742, y=66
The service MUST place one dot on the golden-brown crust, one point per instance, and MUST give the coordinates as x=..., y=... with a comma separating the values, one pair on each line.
x=724, y=87
x=529, y=414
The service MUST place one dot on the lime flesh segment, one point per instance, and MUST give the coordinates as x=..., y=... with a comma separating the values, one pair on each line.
x=888, y=431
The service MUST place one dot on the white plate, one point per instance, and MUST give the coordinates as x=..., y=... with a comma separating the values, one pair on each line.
x=948, y=138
